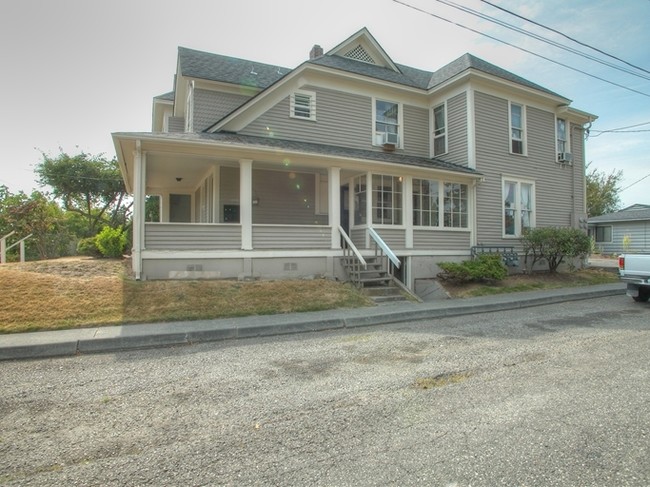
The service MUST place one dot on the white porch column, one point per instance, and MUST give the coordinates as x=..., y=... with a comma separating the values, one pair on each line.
x=246, y=203
x=334, y=204
x=368, y=208
x=407, y=187
x=139, y=190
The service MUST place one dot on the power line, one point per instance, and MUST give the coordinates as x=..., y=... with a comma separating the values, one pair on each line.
x=622, y=129
x=566, y=36
x=418, y=9
x=635, y=182
x=538, y=37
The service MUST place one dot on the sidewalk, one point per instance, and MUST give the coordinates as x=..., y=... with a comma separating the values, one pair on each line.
x=129, y=337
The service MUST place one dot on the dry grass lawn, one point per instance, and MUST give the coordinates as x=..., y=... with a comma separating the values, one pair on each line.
x=79, y=291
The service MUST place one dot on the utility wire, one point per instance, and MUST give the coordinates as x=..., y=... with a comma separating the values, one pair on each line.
x=635, y=182
x=538, y=37
x=418, y=9
x=621, y=129
x=566, y=36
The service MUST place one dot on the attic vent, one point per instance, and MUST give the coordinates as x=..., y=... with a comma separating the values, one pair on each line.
x=360, y=54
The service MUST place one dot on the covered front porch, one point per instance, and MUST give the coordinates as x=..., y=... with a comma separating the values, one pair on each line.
x=202, y=211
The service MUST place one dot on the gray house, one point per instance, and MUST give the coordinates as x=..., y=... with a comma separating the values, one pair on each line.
x=270, y=172
x=627, y=230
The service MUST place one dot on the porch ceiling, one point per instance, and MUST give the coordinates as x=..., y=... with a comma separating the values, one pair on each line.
x=165, y=170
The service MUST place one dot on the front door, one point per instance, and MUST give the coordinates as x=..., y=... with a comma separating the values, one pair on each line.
x=345, y=208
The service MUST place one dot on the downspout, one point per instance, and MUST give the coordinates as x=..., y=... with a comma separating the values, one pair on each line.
x=138, y=210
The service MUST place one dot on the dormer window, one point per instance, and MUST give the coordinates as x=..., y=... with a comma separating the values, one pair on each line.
x=387, y=123
x=303, y=105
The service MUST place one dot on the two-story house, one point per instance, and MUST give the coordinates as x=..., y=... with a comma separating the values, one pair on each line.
x=265, y=171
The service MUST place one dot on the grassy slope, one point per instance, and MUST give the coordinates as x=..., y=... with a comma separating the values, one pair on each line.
x=71, y=293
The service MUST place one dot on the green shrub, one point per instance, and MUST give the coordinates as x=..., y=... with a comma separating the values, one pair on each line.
x=553, y=245
x=486, y=267
x=88, y=246
x=111, y=242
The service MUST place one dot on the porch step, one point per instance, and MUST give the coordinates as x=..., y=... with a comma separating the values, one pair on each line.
x=384, y=294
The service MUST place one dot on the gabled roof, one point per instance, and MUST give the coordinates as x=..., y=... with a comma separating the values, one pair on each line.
x=165, y=96
x=631, y=213
x=362, y=46
x=215, y=67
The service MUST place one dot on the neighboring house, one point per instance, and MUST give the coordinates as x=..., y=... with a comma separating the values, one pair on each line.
x=627, y=230
x=262, y=171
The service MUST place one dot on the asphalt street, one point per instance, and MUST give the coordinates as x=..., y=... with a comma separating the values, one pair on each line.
x=541, y=396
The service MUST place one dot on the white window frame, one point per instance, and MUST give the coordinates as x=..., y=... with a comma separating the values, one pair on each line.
x=567, y=147
x=518, y=231
x=301, y=106
x=387, y=203
x=444, y=129
x=524, y=144
x=376, y=135
x=442, y=210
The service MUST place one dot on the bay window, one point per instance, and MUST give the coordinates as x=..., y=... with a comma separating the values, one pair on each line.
x=440, y=204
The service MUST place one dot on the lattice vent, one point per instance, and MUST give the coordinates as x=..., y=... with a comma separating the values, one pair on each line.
x=360, y=54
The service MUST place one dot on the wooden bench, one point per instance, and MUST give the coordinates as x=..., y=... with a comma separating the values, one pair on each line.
x=507, y=253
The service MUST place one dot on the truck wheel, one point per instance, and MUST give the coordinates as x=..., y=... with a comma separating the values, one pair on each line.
x=644, y=295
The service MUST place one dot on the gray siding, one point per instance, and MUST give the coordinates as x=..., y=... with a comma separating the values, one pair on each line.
x=342, y=119
x=211, y=106
x=416, y=131
x=176, y=124
x=395, y=238
x=554, y=184
x=457, y=130
x=440, y=240
x=639, y=233
x=285, y=237
x=178, y=236
x=285, y=200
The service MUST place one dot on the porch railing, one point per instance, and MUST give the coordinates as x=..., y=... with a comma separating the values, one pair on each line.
x=352, y=256
x=4, y=247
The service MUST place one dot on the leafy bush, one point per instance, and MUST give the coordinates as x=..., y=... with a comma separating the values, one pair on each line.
x=487, y=267
x=88, y=246
x=111, y=242
x=553, y=245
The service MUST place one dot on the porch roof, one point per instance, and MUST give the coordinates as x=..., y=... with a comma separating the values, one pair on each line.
x=235, y=140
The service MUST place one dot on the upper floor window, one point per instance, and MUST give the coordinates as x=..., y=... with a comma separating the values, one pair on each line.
x=518, y=207
x=439, y=130
x=562, y=140
x=517, y=132
x=387, y=123
x=303, y=105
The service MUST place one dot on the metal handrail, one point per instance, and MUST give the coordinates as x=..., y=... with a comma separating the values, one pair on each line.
x=385, y=248
x=4, y=247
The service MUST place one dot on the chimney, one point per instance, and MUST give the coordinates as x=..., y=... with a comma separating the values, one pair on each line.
x=315, y=52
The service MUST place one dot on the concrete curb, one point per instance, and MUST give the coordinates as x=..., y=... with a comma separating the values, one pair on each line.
x=142, y=336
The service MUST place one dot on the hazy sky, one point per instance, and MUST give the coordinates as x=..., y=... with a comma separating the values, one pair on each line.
x=74, y=71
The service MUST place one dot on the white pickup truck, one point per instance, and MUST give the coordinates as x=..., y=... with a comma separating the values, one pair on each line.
x=634, y=269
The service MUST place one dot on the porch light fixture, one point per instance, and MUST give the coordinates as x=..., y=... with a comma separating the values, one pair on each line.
x=178, y=180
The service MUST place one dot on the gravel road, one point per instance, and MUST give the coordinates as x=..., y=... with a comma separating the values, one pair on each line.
x=552, y=395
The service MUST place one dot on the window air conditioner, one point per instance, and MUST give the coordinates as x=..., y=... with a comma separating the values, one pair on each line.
x=565, y=157
x=390, y=138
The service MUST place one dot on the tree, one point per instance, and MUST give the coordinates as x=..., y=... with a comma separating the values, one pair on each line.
x=603, y=191
x=35, y=215
x=88, y=185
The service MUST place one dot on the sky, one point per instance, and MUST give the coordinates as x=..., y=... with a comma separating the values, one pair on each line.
x=74, y=71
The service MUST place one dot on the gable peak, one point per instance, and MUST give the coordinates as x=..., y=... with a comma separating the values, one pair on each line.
x=363, y=47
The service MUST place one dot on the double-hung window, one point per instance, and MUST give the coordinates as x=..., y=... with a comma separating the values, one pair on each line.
x=439, y=130
x=426, y=202
x=517, y=131
x=303, y=105
x=386, y=200
x=387, y=123
x=518, y=207
x=440, y=204
x=562, y=144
